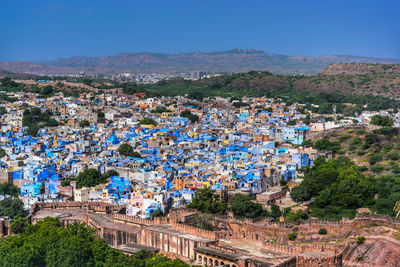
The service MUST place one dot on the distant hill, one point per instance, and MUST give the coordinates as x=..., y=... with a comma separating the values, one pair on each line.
x=231, y=61
x=345, y=79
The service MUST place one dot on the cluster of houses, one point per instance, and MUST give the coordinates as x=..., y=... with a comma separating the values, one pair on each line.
x=247, y=148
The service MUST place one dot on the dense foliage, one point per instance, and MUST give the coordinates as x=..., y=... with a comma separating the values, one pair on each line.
x=202, y=221
x=339, y=188
x=9, y=189
x=90, y=178
x=34, y=119
x=242, y=206
x=12, y=207
x=192, y=117
x=3, y=153
x=381, y=120
x=127, y=150
x=206, y=200
x=48, y=244
x=19, y=225
x=84, y=123
x=147, y=121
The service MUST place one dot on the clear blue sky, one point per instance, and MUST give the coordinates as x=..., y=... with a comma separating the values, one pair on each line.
x=47, y=29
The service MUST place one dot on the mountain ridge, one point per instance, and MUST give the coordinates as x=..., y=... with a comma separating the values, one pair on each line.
x=228, y=61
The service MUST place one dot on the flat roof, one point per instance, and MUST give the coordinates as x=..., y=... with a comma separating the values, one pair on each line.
x=167, y=229
x=134, y=247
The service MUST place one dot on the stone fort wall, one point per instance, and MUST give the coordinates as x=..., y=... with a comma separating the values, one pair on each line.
x=228, y=228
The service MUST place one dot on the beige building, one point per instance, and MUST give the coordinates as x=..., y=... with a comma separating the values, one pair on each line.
x=82, y=194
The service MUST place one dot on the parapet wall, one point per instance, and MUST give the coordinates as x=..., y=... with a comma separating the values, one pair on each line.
x=122, y=218
x=194, y=230
x=96, y=207
x=326, y=261
x=295, y=249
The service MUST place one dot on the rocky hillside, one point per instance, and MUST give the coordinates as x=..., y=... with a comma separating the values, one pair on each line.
x=378, y=80
x=362, y=69
x=231, y=61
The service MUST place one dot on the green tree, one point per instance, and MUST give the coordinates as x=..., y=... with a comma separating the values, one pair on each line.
x=206, y=200
x=394, y=155
x=326, y=144
x=84, y=123
x=19, y=225
x=243, y=206
x=202, y=221
x=300, y=193
x=8, y=82
x=296, y=216
x=90, y=178
x=275, y=211
x=381, y=120
x=192, y=117
x=32, y=130
x=101, y=116
x=292, y=236
x=360, y=240
x=127, y=150
x=374, y=158
x=52, y=123
x=157, y=213
x=111, y=173
x=147, y=121
x=322, y=231
x=12, y=207
x=3, y=111
x=307, y=120
x=47, y=90
x=48, y=244
x=352, y=190
x=9, y=189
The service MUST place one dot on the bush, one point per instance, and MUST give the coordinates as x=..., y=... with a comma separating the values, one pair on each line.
x=292, y=236
x=208, y=201
x=393, y=155
x=377, y=168
x=322, y=231
x=294, y=217
x=375, y=158
x=48, y=244
x=360, y=240
x=282, y=182
x=356, y=141
x=396, y=169
x=242, y=206
x=84, y=123
x=12, y=207
x=381, y=120
x=19, y=225
x=147, y=121
x=344, y=137
x=90, y=178
x=362, y=168
x=127, y=150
